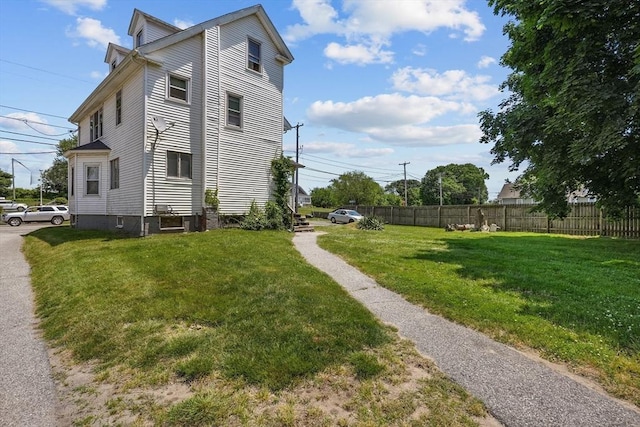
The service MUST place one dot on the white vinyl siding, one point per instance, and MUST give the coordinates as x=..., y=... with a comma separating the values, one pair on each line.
x=183, y=59
x=241, y=182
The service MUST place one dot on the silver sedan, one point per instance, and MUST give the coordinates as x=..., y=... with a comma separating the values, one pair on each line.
x=344, y=216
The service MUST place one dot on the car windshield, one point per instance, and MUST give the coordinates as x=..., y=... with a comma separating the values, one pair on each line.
x=353, y=213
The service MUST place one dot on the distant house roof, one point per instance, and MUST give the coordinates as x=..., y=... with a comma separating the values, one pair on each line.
x=509, y=192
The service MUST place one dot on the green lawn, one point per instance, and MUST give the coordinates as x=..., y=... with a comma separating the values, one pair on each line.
x=574, y=300
x=259, y=336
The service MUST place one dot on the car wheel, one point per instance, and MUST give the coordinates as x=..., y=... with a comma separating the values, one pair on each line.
x=57, y=220
x=351, y=220
x=20, y=209
x=333, y=219
x=14, y=222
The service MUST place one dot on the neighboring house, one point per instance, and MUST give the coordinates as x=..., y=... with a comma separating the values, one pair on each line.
x=304, y=199
x=509, y=195
x=581, y=196
x=182, y=112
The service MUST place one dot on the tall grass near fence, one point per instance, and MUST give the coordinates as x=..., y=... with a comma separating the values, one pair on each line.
x=573, y=300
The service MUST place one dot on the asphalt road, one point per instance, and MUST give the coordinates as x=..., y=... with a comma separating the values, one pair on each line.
x=27, y=391
x=518, y=390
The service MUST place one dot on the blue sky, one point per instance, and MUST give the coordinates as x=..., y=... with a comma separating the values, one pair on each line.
x=376, y=83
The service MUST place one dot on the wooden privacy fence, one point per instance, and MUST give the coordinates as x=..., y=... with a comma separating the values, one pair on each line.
x=583, y=219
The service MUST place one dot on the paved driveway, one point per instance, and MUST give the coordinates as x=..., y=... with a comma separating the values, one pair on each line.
x=27, y=391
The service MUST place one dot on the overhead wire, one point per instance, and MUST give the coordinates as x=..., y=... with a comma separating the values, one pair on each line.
x=26, y=134
x=37, y=123
x=31, y=111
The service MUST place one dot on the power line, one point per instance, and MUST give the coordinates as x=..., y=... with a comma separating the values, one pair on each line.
x=46, y=71
x=30, y=142
x=38, y=123
x=33, y=152
x=348, y=164
x=26, y=134
x=31, y=111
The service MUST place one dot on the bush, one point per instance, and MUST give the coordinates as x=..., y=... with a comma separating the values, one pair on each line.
x=371, y=223
x=271, y=218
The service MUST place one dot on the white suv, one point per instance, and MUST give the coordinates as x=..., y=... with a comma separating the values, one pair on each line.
x=55, y=214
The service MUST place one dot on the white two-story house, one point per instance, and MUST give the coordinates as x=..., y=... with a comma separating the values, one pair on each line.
x=182, y=112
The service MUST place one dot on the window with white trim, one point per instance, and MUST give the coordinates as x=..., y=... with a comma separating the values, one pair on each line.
x=114, y=175
x=95, y=125
x=234, y=110
x=178, y=165
x=254, y=56
x=139, y=39
x=178, y=88
x=92, y=179
x=118, y=107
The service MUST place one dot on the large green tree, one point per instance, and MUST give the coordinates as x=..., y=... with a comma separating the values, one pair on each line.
x=572, y=117
x=323, y=197
x=6, y=180
x=461, y=185
x=55, y=179
x=356, y=188
x=413, y=191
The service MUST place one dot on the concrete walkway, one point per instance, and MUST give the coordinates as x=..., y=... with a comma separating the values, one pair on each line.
x=518, y=390
x=27, y=391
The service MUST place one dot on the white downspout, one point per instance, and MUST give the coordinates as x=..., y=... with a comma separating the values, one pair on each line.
x=144, y=150
x=220, y=112
x=205, y=110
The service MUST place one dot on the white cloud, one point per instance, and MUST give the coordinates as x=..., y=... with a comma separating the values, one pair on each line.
x=182, y=24
x=452, y=84
x=485, y=61
x=368, y=25
x=8, y=147
x=416, y=136
x=396, y=119
x=391, y=110
x=94, y=33
x=358, y=54
x=71, y=7
x=345, y=150
x=99, y=75
x=419, y=50
x=18, y=122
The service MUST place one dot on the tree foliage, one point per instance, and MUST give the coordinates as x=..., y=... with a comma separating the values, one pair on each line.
x=6, y=180
x=323, y=197
x=573, y=115
x=461, y=185
x=282, y=172
x=55, y=179
x=356, y=188
x=413, y=191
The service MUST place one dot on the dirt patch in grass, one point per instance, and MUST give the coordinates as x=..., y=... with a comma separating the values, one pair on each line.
x=407, y=390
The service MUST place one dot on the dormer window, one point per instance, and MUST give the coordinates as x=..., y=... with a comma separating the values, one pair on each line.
x=139, y=40
x=254, y=56
x=113, y=65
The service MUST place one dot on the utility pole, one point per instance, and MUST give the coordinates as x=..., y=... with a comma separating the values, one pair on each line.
x=440, y=183
x=297, y=126
x=40, y=187
x=406, y=201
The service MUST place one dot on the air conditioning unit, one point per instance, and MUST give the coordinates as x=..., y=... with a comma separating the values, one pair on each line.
x=163, y=209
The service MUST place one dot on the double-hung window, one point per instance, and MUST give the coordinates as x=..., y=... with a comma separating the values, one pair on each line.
x=139, y=39
x=234, y=110
x=92, y=176
x=178, y=88
x=118, y=107
x=114, y=174
x=95, y=125
x=178, y=165
x=254, y=57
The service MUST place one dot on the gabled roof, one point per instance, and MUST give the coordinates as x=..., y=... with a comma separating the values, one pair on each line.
x=114, y=47
x=509, y=192
x=284, y=54
x=138, y=14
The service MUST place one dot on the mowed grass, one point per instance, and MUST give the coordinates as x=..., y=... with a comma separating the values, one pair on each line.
x=259, y=336
x=574, y=300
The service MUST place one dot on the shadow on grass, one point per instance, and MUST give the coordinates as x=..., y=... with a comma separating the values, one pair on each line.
x=55, y=236
x=583, y=285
